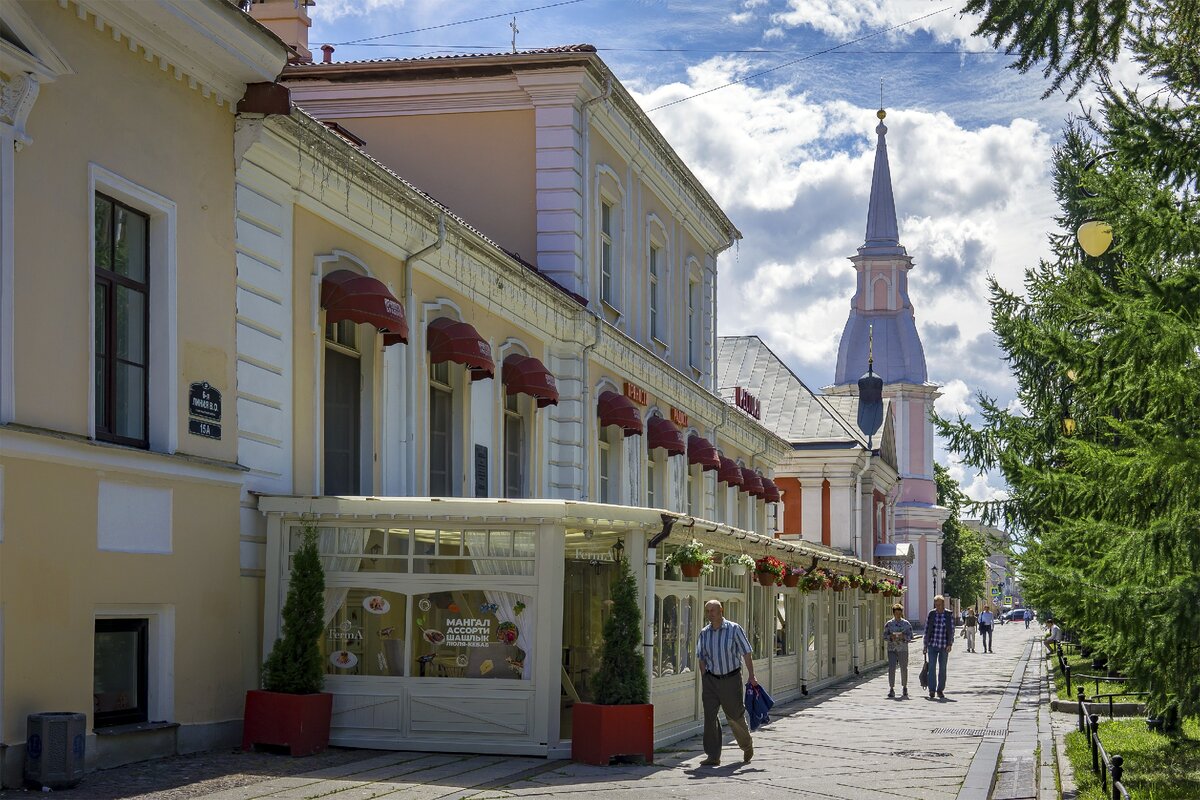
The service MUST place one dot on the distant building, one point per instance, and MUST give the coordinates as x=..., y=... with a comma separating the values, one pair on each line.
x=882, y=313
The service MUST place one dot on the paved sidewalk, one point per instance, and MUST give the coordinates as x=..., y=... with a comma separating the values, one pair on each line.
x=847, y=742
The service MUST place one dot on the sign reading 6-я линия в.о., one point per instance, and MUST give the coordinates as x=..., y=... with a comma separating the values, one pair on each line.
x=204, y=410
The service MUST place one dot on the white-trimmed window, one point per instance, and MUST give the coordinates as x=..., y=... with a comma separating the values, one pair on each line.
x=608, y=253
x=604, y=475
x=342, y=425
x=693, y=321
x=441, y=431
x=694, y=484
x=516, y=447
x=133, y=382
x=652, y=268
x=132, y=664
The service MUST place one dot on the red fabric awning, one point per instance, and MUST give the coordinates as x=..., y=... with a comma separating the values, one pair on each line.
x=751, y=482
x=663, y=433
x=528, y=375
x=617, y=409
x=770, y=490
x=701, y=451
x=450, y=340
x=730, y=472
x=365, y=301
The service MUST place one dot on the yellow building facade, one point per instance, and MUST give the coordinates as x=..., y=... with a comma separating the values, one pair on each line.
x=118, y=562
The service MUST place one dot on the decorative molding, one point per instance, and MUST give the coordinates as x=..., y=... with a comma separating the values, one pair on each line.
x=213, y=44
x=17, y=97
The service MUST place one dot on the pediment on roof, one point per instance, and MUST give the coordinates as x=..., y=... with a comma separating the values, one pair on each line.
x=24, y=49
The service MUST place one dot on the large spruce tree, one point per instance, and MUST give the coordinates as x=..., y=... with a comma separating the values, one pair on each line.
x=1103, y=457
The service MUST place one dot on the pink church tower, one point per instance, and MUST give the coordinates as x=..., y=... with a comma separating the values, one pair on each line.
x=881, y=309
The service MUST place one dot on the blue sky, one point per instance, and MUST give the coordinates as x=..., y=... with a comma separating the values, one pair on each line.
x=788, y=154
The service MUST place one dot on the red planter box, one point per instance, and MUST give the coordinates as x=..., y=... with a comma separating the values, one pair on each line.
x=299, y=722
x=601, y=733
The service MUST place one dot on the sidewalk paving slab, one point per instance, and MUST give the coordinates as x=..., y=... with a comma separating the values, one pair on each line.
x=848, y=742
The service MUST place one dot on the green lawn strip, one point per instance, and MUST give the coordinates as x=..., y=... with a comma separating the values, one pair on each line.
x=1156, y=767
x=1083, y=666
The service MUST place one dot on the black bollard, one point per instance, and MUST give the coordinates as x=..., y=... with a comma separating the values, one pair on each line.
x=1094, y=738
x=1118, y=770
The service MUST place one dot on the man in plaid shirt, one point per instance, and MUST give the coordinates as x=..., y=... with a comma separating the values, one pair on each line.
x=939, y=640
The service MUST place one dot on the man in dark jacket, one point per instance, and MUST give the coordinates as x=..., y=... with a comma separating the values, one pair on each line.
x=939, y=641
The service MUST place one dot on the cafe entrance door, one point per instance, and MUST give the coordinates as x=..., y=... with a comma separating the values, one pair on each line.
x=587, y=595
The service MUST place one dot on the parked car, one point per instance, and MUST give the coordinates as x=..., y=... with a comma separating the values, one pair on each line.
x=1016, y=615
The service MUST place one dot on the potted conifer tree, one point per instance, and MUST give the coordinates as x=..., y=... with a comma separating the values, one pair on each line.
x=621, y=721
x=291, y=710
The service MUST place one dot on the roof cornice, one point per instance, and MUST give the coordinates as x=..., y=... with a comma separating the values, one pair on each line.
x=212, y=43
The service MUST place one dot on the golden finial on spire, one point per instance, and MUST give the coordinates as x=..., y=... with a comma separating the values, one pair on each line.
x=871, y=333
x=881, y=113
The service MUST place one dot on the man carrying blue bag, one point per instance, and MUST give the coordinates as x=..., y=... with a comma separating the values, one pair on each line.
x=720, y=652
x=758, y=706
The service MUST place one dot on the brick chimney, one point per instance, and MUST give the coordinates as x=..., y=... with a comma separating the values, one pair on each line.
x=287, y=19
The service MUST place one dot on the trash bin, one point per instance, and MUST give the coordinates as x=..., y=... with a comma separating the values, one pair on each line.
x=54, y=749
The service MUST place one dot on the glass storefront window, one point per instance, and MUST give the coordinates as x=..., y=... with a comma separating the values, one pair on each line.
x=364, y=632
x=472, y=633
x=429, y=551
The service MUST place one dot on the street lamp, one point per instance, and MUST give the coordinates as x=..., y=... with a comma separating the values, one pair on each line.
x=934, y=571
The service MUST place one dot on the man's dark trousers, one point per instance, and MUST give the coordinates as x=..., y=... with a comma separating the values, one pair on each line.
x=725, y=694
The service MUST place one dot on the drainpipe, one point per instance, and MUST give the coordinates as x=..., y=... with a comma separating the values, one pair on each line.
x=648, y=617
x=587, y=393
x=716, y=430
x=410, y=299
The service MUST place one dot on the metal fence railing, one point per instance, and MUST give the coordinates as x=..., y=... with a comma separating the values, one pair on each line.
x=1111, y=769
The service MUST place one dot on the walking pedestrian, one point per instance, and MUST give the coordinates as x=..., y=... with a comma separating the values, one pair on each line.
x=1028, y=616
x=897, y=632
x=986, y=621
x=938, y=642
x=720, y=652
x=970, y=623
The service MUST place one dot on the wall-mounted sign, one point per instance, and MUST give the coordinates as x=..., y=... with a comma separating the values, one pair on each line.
x=636, y=393
x=209, y=430
x=481, y=470
x=204, y=401
x=679, y=418
x=747, y=402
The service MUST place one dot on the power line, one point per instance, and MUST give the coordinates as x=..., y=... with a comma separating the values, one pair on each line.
x=798, y=60
x=479, y=47
x=460, y=22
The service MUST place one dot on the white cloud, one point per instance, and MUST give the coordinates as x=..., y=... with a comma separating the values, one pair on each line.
x=953, y=401
x=845, y=19
x=330, y=10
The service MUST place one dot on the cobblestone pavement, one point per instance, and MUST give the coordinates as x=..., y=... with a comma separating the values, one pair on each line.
x=847, y=742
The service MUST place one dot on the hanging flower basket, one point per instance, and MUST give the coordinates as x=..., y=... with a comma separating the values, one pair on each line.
x=791, y=581
x=792, y=576
x=766, y=578
x=738, y=564
x=840, y=583
x=693, y=559
x=769, y=570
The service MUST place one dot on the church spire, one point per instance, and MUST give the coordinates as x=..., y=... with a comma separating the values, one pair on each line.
x=883, y=234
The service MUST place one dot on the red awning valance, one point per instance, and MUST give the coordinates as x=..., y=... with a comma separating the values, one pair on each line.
x=663, y=433
x=701, y=451
x=451, y=340
x=527, y=375
x=730, y=472
x=770, y=490
x=365, y=301
x=751, y=482
x=617, y=409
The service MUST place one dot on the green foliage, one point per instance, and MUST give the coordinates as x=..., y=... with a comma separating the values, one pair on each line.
x=1156, y=766
x=1107, y=508
x=621, y=678
x=294, y=665
x=964, y=550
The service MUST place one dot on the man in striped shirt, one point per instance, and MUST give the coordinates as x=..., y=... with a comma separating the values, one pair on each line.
x=720, y=652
